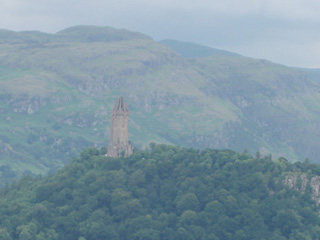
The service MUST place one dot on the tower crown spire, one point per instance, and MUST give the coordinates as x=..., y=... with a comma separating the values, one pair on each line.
x=121, y=106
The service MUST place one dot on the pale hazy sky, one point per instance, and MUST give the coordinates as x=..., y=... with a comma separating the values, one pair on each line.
x=283, y=31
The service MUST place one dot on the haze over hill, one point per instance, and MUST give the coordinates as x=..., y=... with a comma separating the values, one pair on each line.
x=57, y=92
x=284, y=32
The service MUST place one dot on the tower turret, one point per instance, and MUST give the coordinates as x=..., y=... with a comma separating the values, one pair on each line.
x=119, y=143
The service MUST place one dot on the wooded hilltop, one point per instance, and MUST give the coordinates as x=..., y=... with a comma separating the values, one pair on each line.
x=163, y=192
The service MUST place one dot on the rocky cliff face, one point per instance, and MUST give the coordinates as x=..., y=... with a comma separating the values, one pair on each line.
x=301, y=182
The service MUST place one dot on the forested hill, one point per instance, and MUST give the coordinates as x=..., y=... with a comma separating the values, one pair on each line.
x=164, y=192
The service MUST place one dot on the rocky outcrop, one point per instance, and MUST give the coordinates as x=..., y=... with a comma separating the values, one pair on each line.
x=27, y=104
x=30, y=104
x=300, y=182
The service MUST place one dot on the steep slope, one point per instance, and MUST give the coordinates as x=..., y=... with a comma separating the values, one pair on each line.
x=277, y=102
x=164, y=192
x=57, y=92
x=193, y=50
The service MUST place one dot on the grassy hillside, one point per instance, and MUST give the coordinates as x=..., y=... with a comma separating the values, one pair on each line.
x=57, y=93
x=165, y=192
x=278, y=102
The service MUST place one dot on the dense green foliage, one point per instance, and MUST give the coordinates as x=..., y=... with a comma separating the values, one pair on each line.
x=165, y=192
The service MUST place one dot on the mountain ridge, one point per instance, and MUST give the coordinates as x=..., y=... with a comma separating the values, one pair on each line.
x=193, y=50
x=81, y=33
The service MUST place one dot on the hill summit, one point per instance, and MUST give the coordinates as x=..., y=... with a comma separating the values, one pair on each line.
x=84, y=34
x=98, y=34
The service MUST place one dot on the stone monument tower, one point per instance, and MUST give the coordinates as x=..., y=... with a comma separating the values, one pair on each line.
x=119, y=143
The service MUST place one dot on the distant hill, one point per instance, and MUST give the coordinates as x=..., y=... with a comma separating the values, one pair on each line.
x=193, y=50
x=164, y=192
x=98, y=34
x=57, y=92
x=83, y=34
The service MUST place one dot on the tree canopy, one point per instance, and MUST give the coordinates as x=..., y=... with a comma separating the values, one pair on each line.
x=164, y=192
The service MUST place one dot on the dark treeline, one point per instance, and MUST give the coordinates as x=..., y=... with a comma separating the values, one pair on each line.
x=166, y=193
